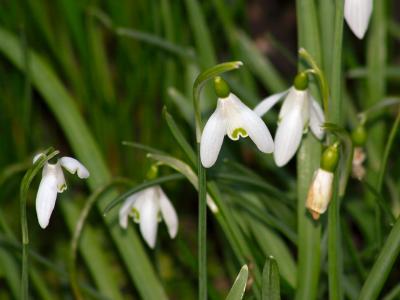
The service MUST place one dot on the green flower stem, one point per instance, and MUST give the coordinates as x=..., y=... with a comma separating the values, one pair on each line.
x=335, y=265
x=25, y=184
x=202, y=235
x=79, y=229
x=309, y=232
x=201, y=172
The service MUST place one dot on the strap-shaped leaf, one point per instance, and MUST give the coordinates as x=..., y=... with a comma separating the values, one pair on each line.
x=271, y=285
x=239, y=286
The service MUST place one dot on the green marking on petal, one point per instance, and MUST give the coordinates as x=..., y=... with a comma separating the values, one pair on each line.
x=135, y=215
x=62, y=188
x=239, y=132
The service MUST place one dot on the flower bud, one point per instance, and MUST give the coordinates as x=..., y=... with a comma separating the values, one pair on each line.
x=301, y=81
x=221, y=87
x=359, y=136
x=320, y=193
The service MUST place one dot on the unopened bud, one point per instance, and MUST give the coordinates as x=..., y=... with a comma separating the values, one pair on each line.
x=320, y=193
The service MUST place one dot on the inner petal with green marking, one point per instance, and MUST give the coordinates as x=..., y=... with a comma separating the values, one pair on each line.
x=237, y=133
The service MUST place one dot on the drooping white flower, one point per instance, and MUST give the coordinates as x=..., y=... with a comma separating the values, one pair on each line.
x=357, y=14
x=319, y=193
x=53, y=182
x=235, y=119
x=145, y=208
x=299, y=110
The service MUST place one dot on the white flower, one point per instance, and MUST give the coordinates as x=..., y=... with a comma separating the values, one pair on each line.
x=53, y=182
x=357, y=14
x=235, y=119
x=145, y=207
x=299, y=110
x=320, y=193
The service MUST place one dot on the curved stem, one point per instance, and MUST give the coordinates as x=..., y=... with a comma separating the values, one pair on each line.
x=24, y=188
x=79, y=229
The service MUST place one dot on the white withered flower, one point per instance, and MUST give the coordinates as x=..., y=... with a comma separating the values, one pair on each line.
x=357, y=14
x=53, y=182
x=298, y=112
x=320, y=193
x=145, y=208
x=235, y=119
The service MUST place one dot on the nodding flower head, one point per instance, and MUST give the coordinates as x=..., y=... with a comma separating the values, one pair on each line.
x=299, y=111
x=148, y=207
x=235, y=119
x=52, y=183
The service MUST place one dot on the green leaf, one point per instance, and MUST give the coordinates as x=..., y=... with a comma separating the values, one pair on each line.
x=271, y=284
x=239, y=286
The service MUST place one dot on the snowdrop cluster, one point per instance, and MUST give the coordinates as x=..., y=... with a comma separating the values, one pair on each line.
x=53, y=183
x=233, y=118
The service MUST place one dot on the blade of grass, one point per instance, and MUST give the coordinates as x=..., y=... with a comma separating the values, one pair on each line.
x=271, y=284
x=335, y=264
x=239, y=286
x=309, y=232
x=201, y=34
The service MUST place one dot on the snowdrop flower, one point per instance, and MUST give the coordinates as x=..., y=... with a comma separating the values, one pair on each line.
x=52, y=183
x=320, y=191
x=235, y=119
x=357, y=14
x=299, y=111
x=145, y=207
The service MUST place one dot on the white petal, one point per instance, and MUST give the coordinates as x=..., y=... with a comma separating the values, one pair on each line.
x=317, y=119
x=126, y=209
x=357, y=14
x=296, y=99
x=46, y=199
x=149, y=220
x=319, y=193
x=212, y=138
x=72, y=165
x=258, y=131
x=168, y=213
x=288, y=137
x=36, y=157
x=266, y=104
x=61, y=183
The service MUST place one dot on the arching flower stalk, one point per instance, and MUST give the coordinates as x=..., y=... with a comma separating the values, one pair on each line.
x=299, y=111
x=52, y=183
x=235, y=119
x=145, y=208
x=357, y=14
